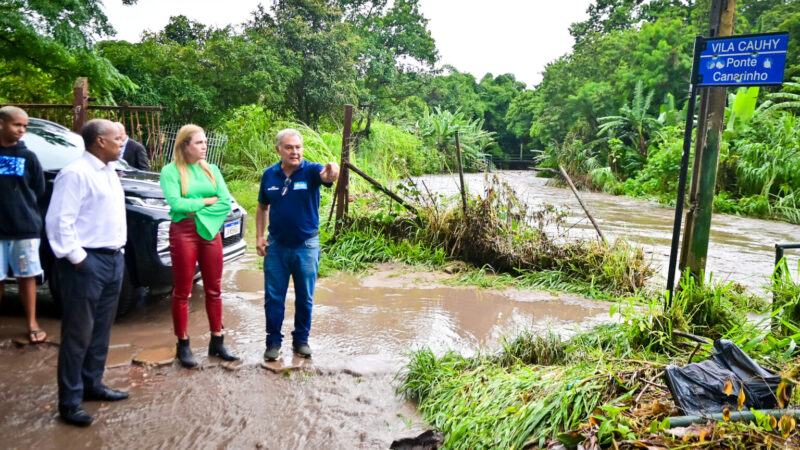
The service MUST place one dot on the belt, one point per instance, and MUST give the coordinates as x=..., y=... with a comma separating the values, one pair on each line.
x=105, y=251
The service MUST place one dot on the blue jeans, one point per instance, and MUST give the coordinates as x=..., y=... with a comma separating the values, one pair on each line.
x=89, y=297
x=302, y=264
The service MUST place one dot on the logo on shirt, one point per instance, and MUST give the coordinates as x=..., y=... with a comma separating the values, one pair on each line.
x=272, y=188
x=12, y=165
x=300, y=185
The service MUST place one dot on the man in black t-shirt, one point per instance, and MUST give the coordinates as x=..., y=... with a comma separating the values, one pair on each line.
x=22, y=187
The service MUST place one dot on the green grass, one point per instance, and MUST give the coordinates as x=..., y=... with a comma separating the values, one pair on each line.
x=487, y=402
x=540, y=387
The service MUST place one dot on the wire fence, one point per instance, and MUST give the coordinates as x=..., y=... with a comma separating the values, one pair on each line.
x=166, y=144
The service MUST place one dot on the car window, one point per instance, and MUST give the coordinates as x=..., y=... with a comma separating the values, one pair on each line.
x=124, y=166
x=54, y=145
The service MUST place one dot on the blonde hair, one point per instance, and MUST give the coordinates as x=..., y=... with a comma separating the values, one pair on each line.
x=185, y=135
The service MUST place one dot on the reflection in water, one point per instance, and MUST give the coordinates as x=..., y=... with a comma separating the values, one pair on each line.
x=741, y=249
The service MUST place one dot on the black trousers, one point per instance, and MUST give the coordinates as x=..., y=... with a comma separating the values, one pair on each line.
x=89, y=298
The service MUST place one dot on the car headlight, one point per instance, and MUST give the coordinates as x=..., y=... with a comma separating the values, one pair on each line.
x=162, y=236
x=158, y=203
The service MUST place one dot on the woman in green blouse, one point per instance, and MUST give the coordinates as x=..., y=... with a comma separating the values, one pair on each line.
x=199, y=203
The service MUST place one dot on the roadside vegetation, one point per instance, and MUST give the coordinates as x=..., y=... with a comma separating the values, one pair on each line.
x=604, y=388
x=611, y=112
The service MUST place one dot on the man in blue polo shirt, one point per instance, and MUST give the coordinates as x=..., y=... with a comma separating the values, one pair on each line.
x=289, y=197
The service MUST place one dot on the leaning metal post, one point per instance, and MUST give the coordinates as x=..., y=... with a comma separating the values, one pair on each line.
x=687, y=144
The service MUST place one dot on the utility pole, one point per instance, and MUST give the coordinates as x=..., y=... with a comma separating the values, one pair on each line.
x=694, y=250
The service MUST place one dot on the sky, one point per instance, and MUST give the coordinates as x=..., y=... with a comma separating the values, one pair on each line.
x=475, y=36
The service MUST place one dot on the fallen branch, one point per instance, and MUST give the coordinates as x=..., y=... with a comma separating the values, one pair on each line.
x=647, y=384
x=381, y=188
x=585, y=209
x=691, y=336
x=694, y=352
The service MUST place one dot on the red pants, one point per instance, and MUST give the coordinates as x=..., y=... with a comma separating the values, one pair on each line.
x=186, y=248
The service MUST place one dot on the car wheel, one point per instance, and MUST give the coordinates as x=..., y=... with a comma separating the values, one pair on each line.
x=129, y=295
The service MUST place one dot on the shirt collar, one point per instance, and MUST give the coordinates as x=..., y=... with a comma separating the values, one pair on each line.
x=95, y=162
x=302, y=166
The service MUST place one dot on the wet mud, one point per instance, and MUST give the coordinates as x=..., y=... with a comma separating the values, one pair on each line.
x=363, y=330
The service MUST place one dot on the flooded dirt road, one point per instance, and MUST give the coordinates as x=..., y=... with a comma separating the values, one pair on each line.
x=363, y=329
x=740, y=249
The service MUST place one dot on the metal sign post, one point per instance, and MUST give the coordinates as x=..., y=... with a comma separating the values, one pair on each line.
x=731, y=61
x=687, y=143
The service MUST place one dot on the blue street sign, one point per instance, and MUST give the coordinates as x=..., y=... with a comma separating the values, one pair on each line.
x=745, y=60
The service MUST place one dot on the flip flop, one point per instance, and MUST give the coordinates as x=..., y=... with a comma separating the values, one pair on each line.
x=33, y=336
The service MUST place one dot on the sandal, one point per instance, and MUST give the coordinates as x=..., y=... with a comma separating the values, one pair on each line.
x=33, y=336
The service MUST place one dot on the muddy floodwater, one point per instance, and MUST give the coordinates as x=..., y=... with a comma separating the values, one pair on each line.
x=740, y=249
x=363, y=330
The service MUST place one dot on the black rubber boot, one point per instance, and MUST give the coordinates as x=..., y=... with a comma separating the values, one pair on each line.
x=216, y=348
x=184, y=354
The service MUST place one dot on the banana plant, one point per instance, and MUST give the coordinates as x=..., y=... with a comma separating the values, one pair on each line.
x=634, y=124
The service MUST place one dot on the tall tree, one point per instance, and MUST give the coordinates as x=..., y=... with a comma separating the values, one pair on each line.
x=394, y=45
x=497, y=93
x=199, y=72
x=318, y=49
x=614, y=15
x=455, y=91
x=46, y=45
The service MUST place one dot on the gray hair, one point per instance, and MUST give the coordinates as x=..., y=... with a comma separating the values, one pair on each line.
x=287, y=132
x=93, y=129
x=7, y=112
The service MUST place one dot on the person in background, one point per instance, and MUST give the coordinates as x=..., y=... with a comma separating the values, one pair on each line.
x=86, y=226
x=199, y=203
x=133, y=152
x=288, y=200
x=22, y=188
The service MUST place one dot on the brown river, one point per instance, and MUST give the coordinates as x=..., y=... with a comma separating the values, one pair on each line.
x=363, y=330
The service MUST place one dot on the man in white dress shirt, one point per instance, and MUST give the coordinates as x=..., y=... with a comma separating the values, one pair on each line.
x=85, y=224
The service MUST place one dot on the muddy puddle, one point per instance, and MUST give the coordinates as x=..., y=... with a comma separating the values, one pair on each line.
x=363, y=329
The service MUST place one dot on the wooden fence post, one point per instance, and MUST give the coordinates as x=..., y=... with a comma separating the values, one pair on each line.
x=80, y=104
x=342, y=195
x=461, y=175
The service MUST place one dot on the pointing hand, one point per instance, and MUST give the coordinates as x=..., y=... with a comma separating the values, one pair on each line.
x=330, y=172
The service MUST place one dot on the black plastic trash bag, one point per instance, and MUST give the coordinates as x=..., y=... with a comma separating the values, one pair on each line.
x=699, y=388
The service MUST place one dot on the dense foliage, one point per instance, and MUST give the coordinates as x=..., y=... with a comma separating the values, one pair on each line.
x=46, y=45
x=612, y=111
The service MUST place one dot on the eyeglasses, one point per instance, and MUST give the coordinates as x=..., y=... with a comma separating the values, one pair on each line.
x=286, y=184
